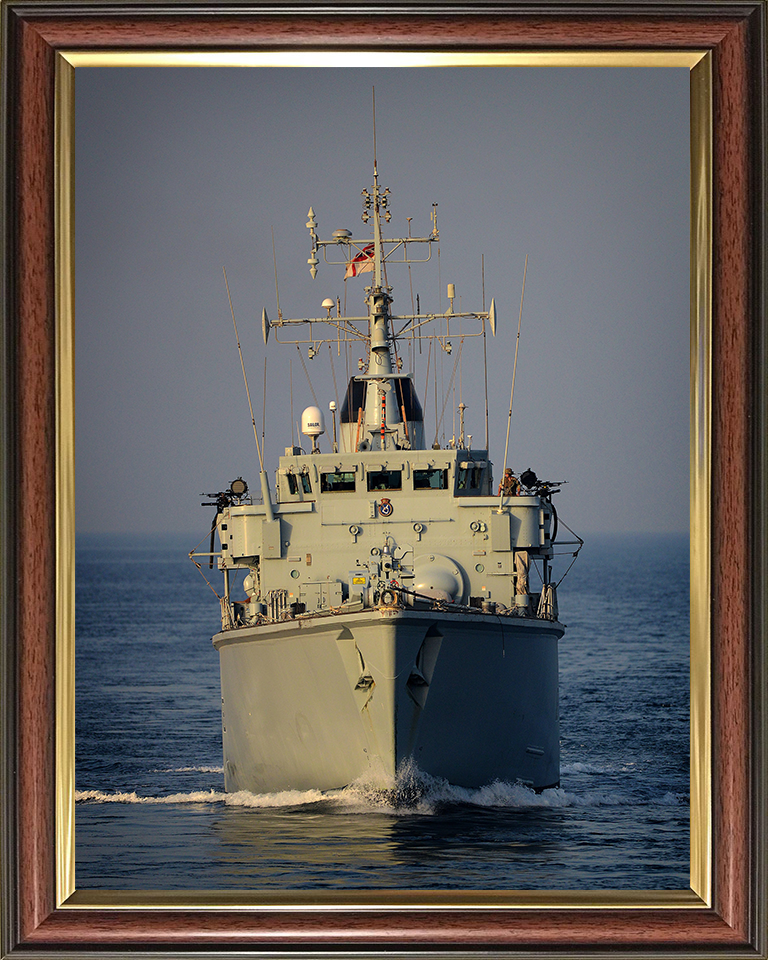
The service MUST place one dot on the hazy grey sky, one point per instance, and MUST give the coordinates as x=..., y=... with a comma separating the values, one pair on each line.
x=181, y=172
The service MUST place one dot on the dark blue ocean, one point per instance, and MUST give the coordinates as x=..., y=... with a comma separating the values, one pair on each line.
x=151, y=812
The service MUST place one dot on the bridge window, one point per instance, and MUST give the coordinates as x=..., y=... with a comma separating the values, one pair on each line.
x=405, y=397
x=354, y=401
x=468, y=478
x=432, y=478
x=385, y=480
x=339, y=480
x=298, y=482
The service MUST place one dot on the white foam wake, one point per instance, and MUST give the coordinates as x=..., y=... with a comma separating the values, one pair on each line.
x=411, y=791
x=189, y=770
x=287, y=798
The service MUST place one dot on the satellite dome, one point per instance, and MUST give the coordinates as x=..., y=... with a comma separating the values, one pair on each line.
x=312, y=424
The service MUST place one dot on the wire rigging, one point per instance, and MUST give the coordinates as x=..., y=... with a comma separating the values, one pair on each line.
x=245, y=378
x=514, y=365
x=306, y=373
x=333, y=373
x=448, y=391
x=426, y=383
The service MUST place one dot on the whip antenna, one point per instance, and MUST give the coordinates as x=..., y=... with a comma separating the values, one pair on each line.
x=290, y=375
x=277, y=291
x=264, y=405
x=514, y=367
x=373, y=89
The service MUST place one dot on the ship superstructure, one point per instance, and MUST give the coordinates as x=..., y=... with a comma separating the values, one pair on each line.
x=387, y=610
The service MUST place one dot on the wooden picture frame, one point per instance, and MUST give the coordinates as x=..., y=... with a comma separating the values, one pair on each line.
x=730, y=919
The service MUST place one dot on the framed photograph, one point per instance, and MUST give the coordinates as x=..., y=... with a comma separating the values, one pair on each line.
x=151, y=103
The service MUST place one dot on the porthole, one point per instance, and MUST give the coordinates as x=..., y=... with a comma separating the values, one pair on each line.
x=479, y=567
x=295, y=574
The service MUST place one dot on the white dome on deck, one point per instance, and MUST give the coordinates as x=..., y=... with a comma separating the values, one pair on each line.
x=312, y=423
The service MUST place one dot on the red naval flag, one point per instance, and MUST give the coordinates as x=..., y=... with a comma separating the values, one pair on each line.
x=362, y=263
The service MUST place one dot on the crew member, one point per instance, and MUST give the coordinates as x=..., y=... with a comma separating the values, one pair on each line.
x=508, y=486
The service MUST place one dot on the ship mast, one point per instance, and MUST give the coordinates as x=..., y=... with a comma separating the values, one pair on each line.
x=383, y=426
x=379, y=373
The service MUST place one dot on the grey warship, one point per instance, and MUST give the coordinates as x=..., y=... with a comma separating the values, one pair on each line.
x=386, y=613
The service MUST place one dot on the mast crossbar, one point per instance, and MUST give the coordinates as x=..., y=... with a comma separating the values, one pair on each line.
x=360, y=245
x=423, y=318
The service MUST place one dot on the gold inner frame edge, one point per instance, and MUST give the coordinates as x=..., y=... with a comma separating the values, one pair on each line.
x=700, y=893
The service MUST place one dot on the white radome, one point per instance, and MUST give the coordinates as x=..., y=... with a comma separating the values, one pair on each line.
x=312, y=423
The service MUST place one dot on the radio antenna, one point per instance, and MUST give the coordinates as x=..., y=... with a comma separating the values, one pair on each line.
x=264, y=405
x=277, y=291
x=514, y=366
x=373, y=89
x=290, y=376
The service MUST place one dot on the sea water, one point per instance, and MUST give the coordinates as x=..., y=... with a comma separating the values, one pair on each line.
x=151, y=812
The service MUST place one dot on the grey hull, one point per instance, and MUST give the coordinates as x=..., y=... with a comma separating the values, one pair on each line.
x=318, y=703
